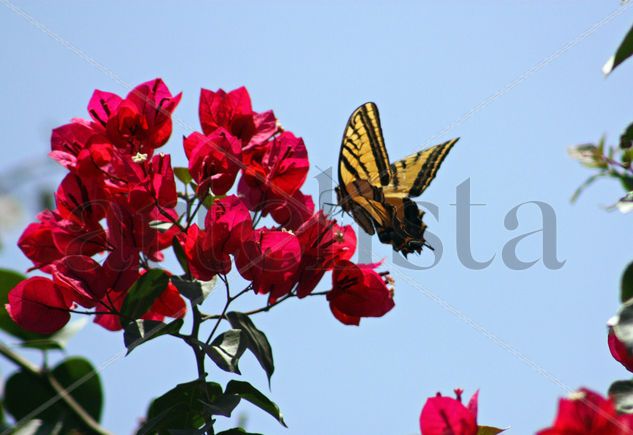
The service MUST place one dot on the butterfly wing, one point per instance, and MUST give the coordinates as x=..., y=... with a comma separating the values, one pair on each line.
x=363, y=154
x=412, y=175
x=377, y=193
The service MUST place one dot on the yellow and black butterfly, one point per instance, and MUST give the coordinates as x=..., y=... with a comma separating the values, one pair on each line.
x=376, y=192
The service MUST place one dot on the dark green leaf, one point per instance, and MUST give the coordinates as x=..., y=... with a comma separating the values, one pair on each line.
x=182, y=407
x=180, y=255
x=257, y=341
x=194, y=290
x=627, y=183
x=183, y=174
x=76, y=375
x=248, y=392
x=488, y=430
x=140, y=331
x=622, y=394
x=626, y=139
x=223, y=405
x=227, y=348
x=626, y=283
x=143, y=293
x=624, y=51
x=236, y=431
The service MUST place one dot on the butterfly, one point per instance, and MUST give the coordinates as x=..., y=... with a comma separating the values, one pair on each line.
x=377, y=193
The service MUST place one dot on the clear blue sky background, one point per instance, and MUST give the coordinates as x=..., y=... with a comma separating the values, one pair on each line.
x=425, y=64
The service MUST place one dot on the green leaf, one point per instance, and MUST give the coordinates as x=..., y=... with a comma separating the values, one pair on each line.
x=25, y=392
x=624, y=51
x=181, y=407
x=194, y=290
x=236, y=431
x=624, y=204
x=589, y=155
x=623, y=325
x=226, y=349
x=143, y=293
x=180, y=255
x=209, y=200
x=488, y=430
x=183, y=174
x=626, y=284
x=622, y=394
x=248, y=392
x=257, y=342
x=161, y=226
x=589, y=181
x=141, y=331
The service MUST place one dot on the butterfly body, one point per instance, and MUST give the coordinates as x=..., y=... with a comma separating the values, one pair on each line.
x=378, y=193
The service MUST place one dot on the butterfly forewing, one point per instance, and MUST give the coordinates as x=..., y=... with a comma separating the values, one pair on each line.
x=363, y=153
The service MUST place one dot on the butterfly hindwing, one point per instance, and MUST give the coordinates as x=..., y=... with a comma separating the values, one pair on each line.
x=413, y=174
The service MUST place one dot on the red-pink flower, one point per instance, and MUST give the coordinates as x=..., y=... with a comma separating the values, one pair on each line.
x=359, y=291
x=80, y=279
x=214, y=160
x=53, y=238
x=163, y=183
x=619, y=351
x=129, y=229
x=293, y=212
x=443, y=415
x=323, y=243
x=270, y=259
x=36, y=305
x=80, y=200
x=270, y=180
x=71, y=147
x=585, y=412
x=205, y=260
x=228, y=225
x=233, y=111
x=139, y=123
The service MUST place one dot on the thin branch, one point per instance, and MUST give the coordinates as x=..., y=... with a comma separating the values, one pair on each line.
x=59, y=389
x=229, y=299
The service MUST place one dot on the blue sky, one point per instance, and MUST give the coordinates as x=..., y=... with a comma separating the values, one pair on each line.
x=516, y=335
